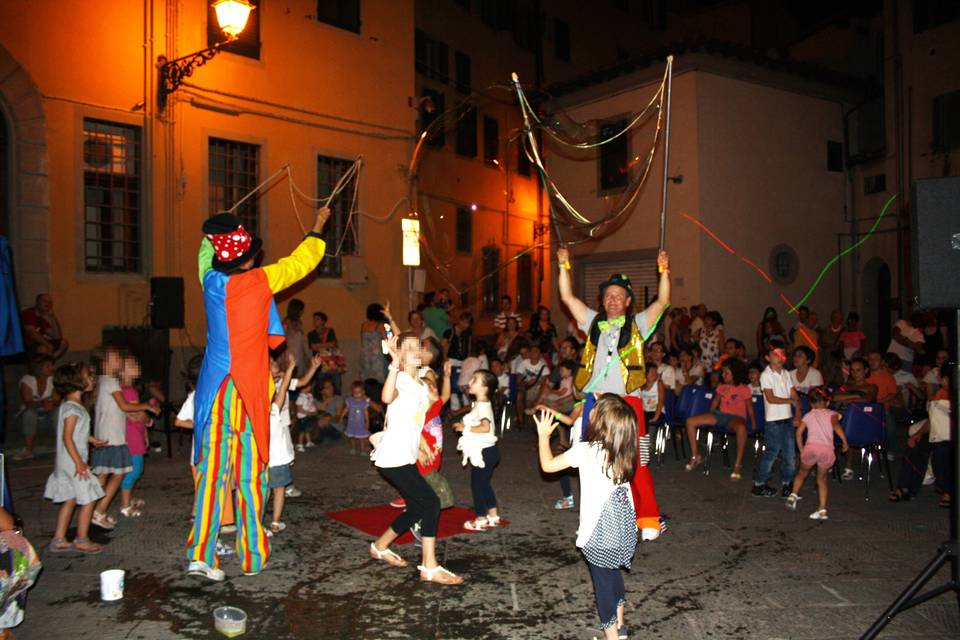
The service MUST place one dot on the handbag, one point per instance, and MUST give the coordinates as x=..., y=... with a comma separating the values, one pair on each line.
x=441, y=487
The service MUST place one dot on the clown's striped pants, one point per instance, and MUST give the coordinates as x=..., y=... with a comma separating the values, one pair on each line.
x=229, y=448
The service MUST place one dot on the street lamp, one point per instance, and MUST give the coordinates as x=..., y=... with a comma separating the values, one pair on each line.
x=410, y=228
x=232, y=16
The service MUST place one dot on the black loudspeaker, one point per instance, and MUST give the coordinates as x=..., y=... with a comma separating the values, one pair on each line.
x=935, y=235
x=166, y=303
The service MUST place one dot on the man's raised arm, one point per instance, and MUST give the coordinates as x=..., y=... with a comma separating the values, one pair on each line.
x=304, y=259
x=658, y=306
x=576, y=306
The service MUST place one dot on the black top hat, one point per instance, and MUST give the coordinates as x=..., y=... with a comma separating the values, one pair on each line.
x=227, y=223
x=619, y=279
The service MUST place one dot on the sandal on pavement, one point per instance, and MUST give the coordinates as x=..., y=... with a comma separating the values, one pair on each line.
x=944, y=502
x=439, y=575
x=735, y=474
x=695, y=462
x=386, y=555
x=276, y=526
x=131, y=512
x=476, y=525
x=138, y=502
x=103, y=521
x=83, y=545
x=899, y=496
x=819, y=515
x=493, y=521
x=60, y=545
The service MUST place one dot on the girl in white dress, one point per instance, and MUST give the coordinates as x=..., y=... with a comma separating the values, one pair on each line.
x=71, y=482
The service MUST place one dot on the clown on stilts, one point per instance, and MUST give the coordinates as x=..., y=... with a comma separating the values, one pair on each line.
x=612, y=362
x=231, y=438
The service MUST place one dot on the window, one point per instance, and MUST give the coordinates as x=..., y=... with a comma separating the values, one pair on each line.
x=431, y=57
x=613, y=157
x=111, y=197
x=234, y=172
x=784, y=264
x=834, y=156
x=523, y=162
x=464, y=230
x=639, y=266
x=437, y=137
x=561, y=39
x=340, y=234
x=467, y=131
x=491, y=140
x=344, y=14
x=946, y=121
x=525, y=282
x=461, y=66
x=874, y=184
x=248, y=42
x=491, y=284
x=928, y=14
x=496, y=14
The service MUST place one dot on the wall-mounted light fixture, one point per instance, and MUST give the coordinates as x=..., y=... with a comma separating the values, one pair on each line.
x=232, y=16
x=410, y=228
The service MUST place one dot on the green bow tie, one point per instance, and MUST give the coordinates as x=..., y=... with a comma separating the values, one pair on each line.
x=616, y=322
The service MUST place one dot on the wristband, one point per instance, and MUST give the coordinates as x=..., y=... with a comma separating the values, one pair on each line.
x=393, y=367
x=566, y=265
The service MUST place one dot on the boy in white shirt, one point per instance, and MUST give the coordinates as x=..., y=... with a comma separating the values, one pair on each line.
x=779, y=393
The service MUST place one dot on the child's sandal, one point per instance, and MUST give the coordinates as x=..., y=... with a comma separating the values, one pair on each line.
x=493, y=521
x=83, y=545
x=439, y=575
x=735, y=474
x=694, y=463
x=131, y=512
x=103, y=521
x=386, y=555
x=476, y=525
x=60, y=545
x=138, y=502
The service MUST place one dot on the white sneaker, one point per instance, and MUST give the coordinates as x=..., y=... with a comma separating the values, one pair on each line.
x=300, y=448
x=311, y=444
x=292, y=492
x=203, y=570
x=792, y=501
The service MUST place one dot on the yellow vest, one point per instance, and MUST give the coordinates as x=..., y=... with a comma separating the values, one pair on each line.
x=630, y=356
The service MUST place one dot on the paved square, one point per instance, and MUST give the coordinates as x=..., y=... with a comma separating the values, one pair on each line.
x=730, y=566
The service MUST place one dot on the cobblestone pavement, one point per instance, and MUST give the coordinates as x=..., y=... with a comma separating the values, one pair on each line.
x=730, y=566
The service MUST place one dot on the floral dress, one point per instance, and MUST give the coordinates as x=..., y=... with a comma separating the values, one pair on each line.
x=710, y=345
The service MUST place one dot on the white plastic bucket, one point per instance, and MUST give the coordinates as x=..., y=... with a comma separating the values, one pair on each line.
x=230, y=621
x=111, y=585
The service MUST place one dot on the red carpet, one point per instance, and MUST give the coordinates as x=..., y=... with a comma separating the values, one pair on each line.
x=374, y=520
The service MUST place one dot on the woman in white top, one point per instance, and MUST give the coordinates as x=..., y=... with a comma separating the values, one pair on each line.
x=607, y=535
x=395, y=455
x=36, y=396
x=805, y=376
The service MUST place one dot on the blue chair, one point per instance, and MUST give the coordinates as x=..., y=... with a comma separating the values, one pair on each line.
x=804, y=404
x=864, y=424
x=662, y=425
x=681, y=411
x=755, y=430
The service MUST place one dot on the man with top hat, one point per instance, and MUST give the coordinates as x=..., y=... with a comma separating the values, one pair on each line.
x=231, y=437
x=612, y=361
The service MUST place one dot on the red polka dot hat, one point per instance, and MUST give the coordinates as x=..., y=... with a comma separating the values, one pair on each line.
x=232, y=244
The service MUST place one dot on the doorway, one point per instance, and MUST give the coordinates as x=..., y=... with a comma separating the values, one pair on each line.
x=877, y=309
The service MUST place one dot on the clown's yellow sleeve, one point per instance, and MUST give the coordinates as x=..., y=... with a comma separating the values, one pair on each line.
x=297, y=265
x=204, y=259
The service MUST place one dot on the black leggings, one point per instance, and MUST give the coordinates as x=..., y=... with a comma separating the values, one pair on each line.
x=484, y=498
x=423, y=505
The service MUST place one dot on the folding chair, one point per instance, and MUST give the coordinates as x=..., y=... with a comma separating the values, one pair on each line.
x=865, y=428
x=755, y=430
x=663, y=425
x=681, y=410
x=508, y=411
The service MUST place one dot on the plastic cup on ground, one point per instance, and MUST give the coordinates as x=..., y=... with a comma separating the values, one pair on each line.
x=111, y=585
x=230, y=621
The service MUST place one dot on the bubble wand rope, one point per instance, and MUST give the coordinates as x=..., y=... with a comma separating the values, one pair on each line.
x=666, y=162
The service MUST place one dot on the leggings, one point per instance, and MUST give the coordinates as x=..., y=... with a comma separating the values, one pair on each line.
x=131, y=477
x=484, y=498
x=423, y=505
x=610, y=593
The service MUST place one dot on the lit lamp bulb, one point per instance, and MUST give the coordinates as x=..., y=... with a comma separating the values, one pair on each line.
x=411, y=242
x=232, y=16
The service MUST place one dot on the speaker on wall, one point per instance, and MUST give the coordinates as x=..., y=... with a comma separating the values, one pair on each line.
x=166, y=303
x=935, y=236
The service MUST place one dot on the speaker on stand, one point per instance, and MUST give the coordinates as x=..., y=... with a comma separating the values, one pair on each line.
x=935, y=238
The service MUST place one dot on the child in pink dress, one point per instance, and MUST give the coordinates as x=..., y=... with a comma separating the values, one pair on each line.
x=821, y=424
